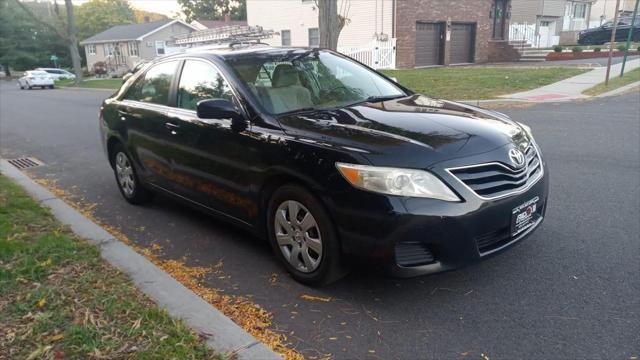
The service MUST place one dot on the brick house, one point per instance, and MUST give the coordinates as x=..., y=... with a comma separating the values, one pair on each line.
x=422, y=32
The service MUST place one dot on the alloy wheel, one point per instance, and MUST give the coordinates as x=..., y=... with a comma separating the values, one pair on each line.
x=298, y=236
x=124, y=171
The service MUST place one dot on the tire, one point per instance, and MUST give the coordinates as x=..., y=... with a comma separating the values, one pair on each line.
x=127, y=179
x=29, y=86
x=292, y=239
x=21, y=87
x=51, y=87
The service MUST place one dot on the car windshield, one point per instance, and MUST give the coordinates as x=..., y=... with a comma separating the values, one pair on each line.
x=295, y=80
x=39, y=73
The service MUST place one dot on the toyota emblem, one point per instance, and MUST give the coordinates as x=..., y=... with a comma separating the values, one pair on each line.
x=517, y=157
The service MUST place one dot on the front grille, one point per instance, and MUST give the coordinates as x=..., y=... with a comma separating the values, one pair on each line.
x=493, y=240
x=413, y=253
x=494, y=180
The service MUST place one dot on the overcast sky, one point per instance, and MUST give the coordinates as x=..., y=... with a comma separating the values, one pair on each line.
x=166, y=7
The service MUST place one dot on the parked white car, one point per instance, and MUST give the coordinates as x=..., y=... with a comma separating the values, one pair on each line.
x=35, y=78
x=58, y=74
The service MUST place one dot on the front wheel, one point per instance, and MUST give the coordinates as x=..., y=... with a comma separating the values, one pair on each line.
x=303, y=236
x=128, y=182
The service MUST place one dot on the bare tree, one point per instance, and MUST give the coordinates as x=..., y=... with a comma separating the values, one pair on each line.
x=331, y=21
x=73, y=42
x=67, y=33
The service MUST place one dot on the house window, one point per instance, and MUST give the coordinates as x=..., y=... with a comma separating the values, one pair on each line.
x=133, y=49
x=314, y=37
x=91, y=49
x=285, y=35
x=579, y=11
x=160, y=47
x=108, y=49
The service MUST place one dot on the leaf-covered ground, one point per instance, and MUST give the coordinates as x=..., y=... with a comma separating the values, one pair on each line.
x=59, y=300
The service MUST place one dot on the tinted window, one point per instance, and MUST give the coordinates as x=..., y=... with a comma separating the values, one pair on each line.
x=200, y=81
x=154, y=86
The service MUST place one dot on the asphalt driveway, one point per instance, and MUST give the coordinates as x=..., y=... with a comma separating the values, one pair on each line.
x=572, y=290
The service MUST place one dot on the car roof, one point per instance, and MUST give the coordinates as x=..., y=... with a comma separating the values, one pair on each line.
x=225, y=52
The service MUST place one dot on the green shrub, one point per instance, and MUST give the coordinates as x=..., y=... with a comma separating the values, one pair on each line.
x=622, y=47
x=577, y=49
x=597, y=49
x=557, y=49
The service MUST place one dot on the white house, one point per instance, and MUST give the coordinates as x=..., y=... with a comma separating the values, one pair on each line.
x=297, y=21
x=603, y=10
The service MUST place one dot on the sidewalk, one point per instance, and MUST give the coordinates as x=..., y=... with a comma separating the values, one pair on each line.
x=572, y=88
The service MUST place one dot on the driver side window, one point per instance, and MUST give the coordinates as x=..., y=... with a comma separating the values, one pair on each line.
x=201, y=81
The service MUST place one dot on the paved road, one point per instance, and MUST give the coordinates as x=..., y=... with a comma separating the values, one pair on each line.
x=572, y=290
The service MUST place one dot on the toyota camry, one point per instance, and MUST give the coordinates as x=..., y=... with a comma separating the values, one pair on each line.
x=327, y=159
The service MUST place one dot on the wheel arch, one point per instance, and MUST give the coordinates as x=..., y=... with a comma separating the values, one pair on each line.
x=112, y=142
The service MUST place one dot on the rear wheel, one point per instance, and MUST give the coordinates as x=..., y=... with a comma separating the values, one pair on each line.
x=127, y=179
x=29, y=86
x=303, y=236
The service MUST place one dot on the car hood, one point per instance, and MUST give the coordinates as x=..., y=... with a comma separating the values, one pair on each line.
x=414, y=131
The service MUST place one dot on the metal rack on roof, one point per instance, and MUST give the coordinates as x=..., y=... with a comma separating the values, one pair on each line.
x=225, y=34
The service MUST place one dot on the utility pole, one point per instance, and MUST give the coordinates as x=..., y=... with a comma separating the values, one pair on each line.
x=613, y=41
x=73, y=42
x=631, y=29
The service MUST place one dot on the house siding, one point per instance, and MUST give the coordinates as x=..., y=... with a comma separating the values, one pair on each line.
x=409, y=12
x=605, y=9
x=166, y=34
x=368, y=18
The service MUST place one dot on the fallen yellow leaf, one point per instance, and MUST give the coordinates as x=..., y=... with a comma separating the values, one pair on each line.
x=315, y=298
x=41, y=303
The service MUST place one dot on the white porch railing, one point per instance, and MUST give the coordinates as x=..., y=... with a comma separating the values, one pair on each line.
x=377, y=54
x=536, y=36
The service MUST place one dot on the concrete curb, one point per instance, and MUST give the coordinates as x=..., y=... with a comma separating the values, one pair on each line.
x=223, y=335
x=619, y=90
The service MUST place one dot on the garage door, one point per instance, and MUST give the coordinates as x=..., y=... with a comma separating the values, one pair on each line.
x=428, y=43
x=462, y=43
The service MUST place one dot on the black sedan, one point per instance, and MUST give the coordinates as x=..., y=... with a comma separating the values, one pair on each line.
x=602, y=35
x=327, y=159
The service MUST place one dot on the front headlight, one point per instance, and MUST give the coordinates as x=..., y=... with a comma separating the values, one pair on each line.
x=394, y=181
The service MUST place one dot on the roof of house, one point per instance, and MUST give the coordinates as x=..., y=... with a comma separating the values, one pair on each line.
x=130, y=32
x=212, y=24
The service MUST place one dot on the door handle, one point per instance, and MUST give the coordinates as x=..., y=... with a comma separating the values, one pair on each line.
x=172, y=127
x=123, y=115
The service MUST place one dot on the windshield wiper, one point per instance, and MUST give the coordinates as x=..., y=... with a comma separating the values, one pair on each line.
x=383, y=98
x=297, y=111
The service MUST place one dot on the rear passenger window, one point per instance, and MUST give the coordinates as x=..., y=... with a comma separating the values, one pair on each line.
x=200, y=81
x=155, y=85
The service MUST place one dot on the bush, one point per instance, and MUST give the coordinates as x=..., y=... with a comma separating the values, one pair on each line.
x=557, y=49
x=577, y=49
x=597, y=49
x=622, y=47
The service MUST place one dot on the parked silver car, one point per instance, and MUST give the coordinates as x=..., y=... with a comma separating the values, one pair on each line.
x=35, y=78
x=58, y=74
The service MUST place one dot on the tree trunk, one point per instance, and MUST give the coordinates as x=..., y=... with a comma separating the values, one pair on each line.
x=73, y=42
x=328, y=23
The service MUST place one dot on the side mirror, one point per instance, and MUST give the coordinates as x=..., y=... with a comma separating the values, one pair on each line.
x=217, y=109
x=221, y=109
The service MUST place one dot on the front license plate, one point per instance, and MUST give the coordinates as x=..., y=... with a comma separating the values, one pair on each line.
x=524, y=216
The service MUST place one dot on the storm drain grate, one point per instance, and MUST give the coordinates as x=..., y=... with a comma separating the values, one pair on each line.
x=26, y=162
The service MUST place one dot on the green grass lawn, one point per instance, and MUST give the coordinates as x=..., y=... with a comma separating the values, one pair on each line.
x=94, y=84
x=478, y=83
x=614, y=83
x=59, y=299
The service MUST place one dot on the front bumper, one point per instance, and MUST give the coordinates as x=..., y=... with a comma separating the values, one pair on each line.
x=392, y=231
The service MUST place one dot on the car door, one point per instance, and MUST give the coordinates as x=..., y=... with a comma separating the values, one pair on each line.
x=143, y=112
x=209, y=156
